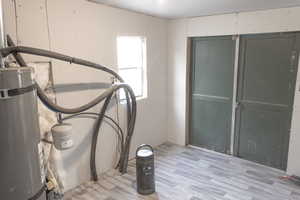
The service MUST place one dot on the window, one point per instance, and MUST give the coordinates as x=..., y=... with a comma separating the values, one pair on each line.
x=131, y=52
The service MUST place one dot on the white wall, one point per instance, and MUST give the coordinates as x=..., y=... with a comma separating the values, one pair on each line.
x=278, y=20
x=87, y=30
x=177, y=52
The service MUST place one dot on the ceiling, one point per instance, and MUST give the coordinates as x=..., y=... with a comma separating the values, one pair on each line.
x=173, y=9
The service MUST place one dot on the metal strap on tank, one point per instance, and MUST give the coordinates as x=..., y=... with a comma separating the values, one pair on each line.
x=39, y=193
x=7, y=93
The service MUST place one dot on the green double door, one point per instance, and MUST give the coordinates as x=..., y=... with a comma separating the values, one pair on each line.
x=263, y=101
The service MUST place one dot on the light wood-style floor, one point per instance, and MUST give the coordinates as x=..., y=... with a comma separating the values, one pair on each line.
x=184, y=173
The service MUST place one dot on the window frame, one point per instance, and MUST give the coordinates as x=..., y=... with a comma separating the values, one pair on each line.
x=143, y=68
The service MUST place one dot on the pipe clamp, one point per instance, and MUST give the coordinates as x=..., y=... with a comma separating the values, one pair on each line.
x=9, y=93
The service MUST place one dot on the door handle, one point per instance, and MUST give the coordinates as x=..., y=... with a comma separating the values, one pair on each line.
x=237, y=105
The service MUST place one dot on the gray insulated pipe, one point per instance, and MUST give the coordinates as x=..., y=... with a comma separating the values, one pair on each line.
x=130, y=97
x=20, y=148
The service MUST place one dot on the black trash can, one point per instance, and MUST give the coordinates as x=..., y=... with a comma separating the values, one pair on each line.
x=145, y=170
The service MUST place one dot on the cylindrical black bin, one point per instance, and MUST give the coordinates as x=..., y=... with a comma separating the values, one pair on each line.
x=145, y=170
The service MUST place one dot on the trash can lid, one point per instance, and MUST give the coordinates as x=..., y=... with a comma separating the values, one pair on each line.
x=144, y=153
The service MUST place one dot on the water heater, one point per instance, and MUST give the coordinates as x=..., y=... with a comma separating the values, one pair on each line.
x=21, y=168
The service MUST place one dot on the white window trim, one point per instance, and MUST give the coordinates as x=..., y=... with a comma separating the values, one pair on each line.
x=144, y=90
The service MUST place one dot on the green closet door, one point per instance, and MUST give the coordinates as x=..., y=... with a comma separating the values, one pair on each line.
x=268, y=68
x=212, y=88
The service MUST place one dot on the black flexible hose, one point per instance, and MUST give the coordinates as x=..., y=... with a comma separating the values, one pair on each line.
x=41, y=52
x=56, y=108
x=118, y=129
x=12, y=49
x=45, y=53
x=96, y=114
x=17, y=56
x=131, y=109
x=121, y=135
x=95, y=137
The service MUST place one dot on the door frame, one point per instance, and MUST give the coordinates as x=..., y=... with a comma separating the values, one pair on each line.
x=234, y=94
x=188, y=97
x=189, y=71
